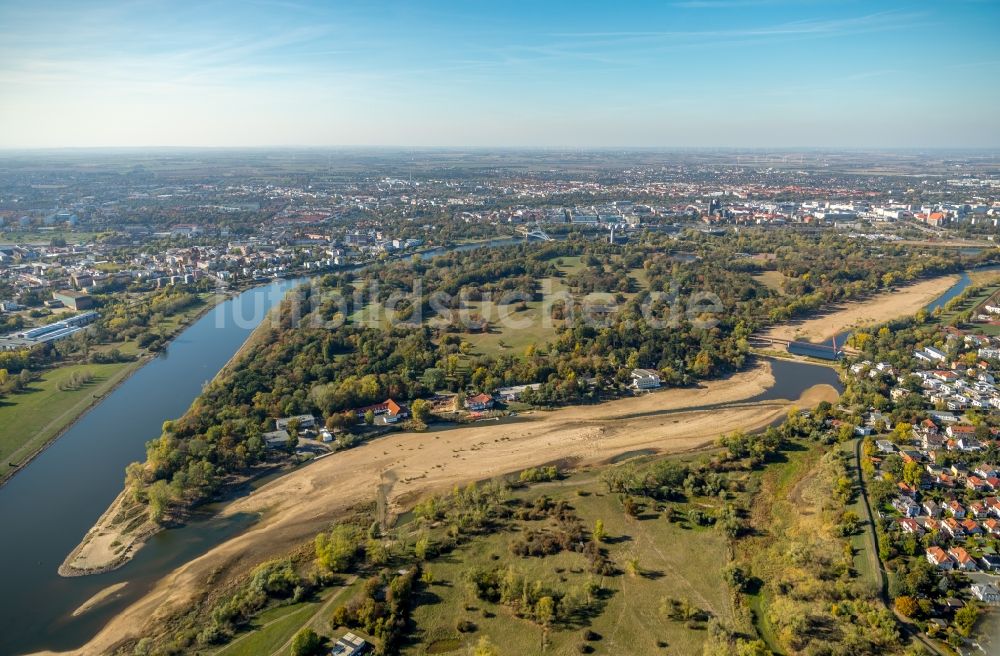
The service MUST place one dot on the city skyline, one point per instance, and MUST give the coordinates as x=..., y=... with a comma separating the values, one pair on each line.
x=696, y=73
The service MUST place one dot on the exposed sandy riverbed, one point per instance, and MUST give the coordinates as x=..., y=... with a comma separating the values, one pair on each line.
x=878, y=309
x=104, y=595
x=297, y=506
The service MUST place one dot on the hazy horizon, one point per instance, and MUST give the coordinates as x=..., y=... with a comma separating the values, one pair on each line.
x=721, y=74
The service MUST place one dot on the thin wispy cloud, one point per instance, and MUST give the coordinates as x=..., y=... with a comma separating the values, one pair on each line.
x=310, y=71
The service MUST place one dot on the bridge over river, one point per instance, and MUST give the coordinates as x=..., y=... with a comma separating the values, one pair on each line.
x=830, y=350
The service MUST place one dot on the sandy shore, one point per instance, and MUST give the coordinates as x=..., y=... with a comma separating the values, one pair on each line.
x=105, y=594
x=297, y=506
x=858, y=314
x=107, y=545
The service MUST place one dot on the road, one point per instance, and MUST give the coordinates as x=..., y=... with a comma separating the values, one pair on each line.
x=908, y=628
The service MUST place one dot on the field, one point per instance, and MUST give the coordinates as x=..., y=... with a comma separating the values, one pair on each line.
x=272, y=631
x=46, y=237
x=773, y=280
x=800, y=561
x=675, y=560
x=30, y=419
x=532, y=326
x=865, y=552
x=512, y=328
x=988, y=283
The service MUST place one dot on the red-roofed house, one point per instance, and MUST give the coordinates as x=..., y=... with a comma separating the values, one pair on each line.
x=960, y=430
x=978, y=509
x=952, y=527
x=971, y=527
x=479, y=402
x=975, y=483
x=962, y=559
x=936, y=556
x=388, y=409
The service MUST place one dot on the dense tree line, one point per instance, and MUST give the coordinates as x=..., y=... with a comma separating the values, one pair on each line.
x=314, y=358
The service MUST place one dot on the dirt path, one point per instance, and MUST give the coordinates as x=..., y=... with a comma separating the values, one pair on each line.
x=317, y=617
x=297, y=506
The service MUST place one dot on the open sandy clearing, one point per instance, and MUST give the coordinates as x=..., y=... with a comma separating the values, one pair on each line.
x=301, y=504
x=857, y=314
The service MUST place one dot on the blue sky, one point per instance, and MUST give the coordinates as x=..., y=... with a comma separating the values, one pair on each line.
x=689, y=73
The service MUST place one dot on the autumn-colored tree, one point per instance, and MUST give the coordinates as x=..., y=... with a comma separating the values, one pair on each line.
x=599, y=533
x=907, y=606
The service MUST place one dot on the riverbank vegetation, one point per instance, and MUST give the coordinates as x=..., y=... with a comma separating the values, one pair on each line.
x=324, y=353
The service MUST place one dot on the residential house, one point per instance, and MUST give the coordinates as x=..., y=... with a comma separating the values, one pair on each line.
x=992, y=526
x=906, y=507
x=514, y=392
x=953, y=528
x=479, y=402
x=987, y=471
x=276, y=439
x=963, y=560
x=939, y=558
x=645, y=379
x=971, y=527
x=389, y=411
x=885, y=446
x=956, y=431
x=975, y=483
x=986, y=593
x=969, y=444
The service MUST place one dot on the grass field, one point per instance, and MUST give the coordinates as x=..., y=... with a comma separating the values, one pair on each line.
x=780, y=491
x=674, y=560
x=865, y=554
x=31, y=418
x=989, y=282
x=21, y=237
x=772, y=280
x=511, y=329
x=272, y=629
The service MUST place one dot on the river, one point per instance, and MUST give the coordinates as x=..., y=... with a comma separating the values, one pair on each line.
x=46, y=508
x=824, y=352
